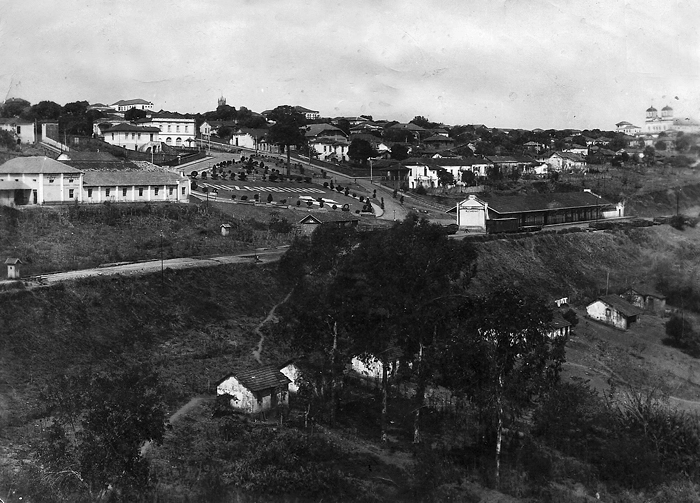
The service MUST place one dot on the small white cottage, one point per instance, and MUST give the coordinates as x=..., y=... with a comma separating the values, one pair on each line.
x=256, y=390
x=614, y=310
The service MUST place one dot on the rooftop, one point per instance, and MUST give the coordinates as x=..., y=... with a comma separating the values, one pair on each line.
x=36, y=165
x=621, y=305
x=260, y=378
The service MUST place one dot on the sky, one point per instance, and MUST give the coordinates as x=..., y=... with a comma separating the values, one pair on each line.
x=504, y=63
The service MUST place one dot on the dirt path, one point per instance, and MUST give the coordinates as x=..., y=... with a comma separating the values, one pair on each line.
x=182, y=411
x=258, y=330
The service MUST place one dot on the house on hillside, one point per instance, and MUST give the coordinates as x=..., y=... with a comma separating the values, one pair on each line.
x=21, y=130
x=559, y=326
x=646, y=298
x=564, y=161
x=614, y=310
x=256, y=390
x=248, y=138
x=312, y=221
x=421, y=173
x=175, y=129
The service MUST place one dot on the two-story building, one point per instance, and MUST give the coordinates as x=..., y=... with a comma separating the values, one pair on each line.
x=38, y=180
x=21, y=130
x=126, y=105
x=175, y=130
x=132, y=137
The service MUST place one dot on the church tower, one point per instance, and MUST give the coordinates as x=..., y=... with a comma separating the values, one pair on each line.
x=222, y=101
x=652, y=113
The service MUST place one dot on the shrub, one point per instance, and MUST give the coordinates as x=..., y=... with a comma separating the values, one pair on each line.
x=420, y=190
x=244, y=198
x=298, y=202
x=283, y=201
x=325, y=185
x=362, y=199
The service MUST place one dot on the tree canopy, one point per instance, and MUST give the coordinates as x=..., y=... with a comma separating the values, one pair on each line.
x=286, y=130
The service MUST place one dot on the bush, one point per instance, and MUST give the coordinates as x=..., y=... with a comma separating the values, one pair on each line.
x=325, y=185
x=298, y=202
x=244, y=198
x=420, y=190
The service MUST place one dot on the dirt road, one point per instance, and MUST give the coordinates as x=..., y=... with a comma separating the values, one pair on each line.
x=261, y=256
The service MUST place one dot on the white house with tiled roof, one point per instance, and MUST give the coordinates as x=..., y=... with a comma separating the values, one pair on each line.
x=38, y=180
x=175, y=129
x=21, y=130
x=309, y=114
x=132, y=137
x=125, y=105
x=134, y=186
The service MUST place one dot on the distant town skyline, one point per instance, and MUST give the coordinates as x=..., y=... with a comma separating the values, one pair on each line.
x=511, y=63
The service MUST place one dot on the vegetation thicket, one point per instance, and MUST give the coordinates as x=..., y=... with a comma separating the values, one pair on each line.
x=49, y=239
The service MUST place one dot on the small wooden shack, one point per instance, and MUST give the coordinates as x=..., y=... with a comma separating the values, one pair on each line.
x=646, y=298
x=256, y=390
x=336, y=218
x=614, y=310
x=13, y=267
x=559, y=326
x=225, y=229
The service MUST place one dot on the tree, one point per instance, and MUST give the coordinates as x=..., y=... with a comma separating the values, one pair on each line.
x=101, y=422
x=224, y=132
x=660, y=145
x=46, y=110
x=468, y=178
x=501, y=356
x=395, y=316
x=399, y=152
x=360, y=150
x=445, y=177
x=649, y=155
x=421, y=121
x=76, y=108
x=286, y=130
x=134, y=114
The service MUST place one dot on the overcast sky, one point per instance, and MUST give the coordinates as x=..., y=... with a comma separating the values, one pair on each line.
x=504, y=63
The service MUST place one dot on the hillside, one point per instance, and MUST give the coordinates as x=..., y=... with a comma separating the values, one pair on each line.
x=206, y=322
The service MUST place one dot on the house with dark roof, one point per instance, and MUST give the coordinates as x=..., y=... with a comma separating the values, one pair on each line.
x=559, y=326
x=335, y=218
x=256, y=390
x=248, y=138
x=439, y=142
x=645, y=298
x=614, y=310
x=38, y=180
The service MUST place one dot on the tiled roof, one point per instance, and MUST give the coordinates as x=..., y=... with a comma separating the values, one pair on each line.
x=12, y=185
x=410, y=127
x=316, y=129
x=439, y=137
x=304, y=110
x=497, y=159
x=542, y=202
x=450, y=161
x=131, y=128
x=14, y=120
x=260, y=378
x=137, y=101
x=36, y=165
x=647, y=291
x=329, y=216
x=558, y=320
x=621, y=305
x=114, y=178
x=77, y=155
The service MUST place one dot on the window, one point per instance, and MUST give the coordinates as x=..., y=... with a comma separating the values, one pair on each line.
x=156, y=190
x=133, y=136
x=89, y=192
x=608, y=312
x=170, y=192
x=183, y=191
x=139, y=136
x=151, y=136
x=70, y=193
x=187, y=129
x=50, y=180
x=177, y=128
x=140, y=191
x=107, y=192
x=169, y=128
x=123, y=192
x=113, y=136
x=19, y=129
x=70, y=180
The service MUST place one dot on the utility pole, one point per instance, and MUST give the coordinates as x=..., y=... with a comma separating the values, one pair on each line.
x=161, y=260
